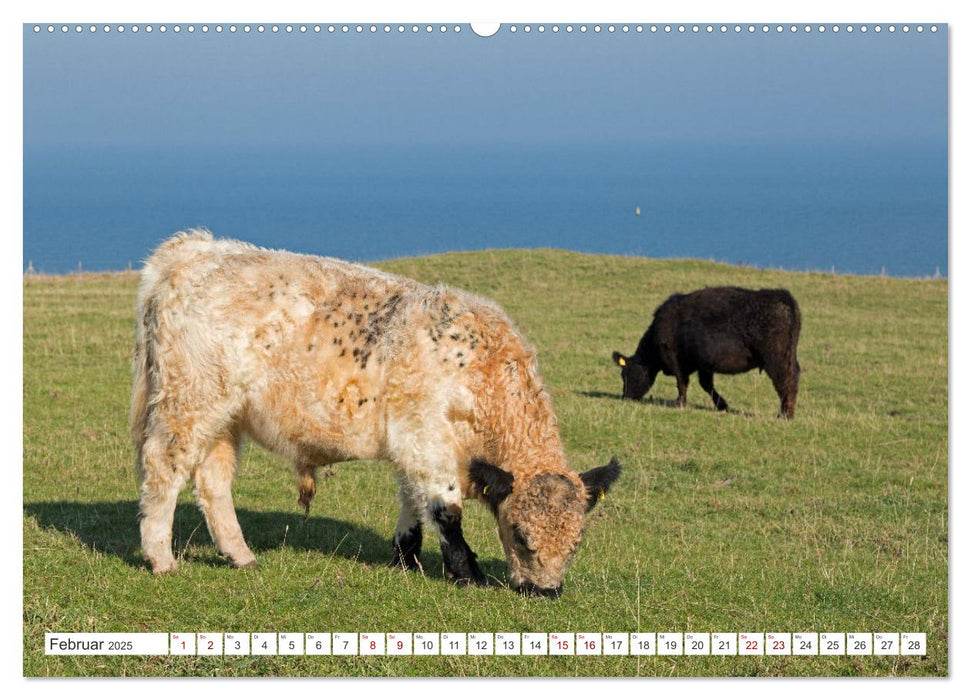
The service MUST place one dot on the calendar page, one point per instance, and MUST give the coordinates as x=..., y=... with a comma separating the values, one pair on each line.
x=447, y=349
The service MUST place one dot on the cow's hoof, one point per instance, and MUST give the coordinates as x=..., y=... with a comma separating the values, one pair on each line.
x=406, y=549
x=473, y=578
x=248, y=564
x=470, y=576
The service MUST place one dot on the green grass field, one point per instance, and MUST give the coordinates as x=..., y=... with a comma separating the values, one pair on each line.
x=836, y=521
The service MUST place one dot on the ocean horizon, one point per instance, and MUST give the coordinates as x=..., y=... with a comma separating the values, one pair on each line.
x=856, y=208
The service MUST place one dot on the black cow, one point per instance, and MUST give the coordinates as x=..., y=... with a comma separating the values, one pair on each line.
x=728, y=330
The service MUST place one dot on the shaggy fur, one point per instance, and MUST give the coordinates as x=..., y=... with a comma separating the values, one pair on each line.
x=323, y=361
x=727, y=330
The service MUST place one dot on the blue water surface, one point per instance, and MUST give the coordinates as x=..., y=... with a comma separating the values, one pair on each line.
x=849, y=207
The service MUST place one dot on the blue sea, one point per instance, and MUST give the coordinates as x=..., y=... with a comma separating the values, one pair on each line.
x=850, y=208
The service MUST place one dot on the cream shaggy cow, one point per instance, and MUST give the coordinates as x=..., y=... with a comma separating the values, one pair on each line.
x=324, y=361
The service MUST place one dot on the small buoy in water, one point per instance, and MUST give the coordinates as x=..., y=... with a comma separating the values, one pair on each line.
x=637, y=211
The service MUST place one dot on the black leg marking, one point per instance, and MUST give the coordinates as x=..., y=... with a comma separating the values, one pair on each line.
x=406, y=549
x=459, y=557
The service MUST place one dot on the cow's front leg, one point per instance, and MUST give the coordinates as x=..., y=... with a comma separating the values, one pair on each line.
x=406, y=545
x=682, y=379
x=429, y=483
x=459, y=558
x=707, y=381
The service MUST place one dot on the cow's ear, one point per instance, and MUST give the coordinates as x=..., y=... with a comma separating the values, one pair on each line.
x=598, y=481
x=619, y=359
x=493, y=483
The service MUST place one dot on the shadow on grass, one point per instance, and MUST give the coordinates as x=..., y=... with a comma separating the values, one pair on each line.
x=655, y=401
x=112, y=528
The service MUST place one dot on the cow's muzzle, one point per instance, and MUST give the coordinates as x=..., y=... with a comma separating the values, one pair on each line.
x=531, y=589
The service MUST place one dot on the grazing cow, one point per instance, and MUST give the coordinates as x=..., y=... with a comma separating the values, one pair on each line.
x=324, y=361
x=728, y=330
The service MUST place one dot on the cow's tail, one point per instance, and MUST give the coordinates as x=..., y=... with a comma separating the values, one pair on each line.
x=795, y=327
x=138, y=418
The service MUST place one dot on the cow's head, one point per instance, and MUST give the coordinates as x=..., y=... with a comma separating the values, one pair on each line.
x=638, y=378
x=541, y=519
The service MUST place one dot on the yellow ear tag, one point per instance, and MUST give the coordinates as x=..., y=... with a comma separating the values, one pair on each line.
x=602, y=495
x=621, y=361
x=485, y=490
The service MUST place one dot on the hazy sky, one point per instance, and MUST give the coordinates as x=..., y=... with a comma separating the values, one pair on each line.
x=312, y=89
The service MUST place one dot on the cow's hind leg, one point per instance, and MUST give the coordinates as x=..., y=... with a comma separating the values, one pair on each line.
x=214, y=479
x=707, y=381
x=406, y=545
x=785, y=379
x=164, y=473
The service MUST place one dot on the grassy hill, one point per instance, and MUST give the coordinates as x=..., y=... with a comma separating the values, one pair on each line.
x=836, y=521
